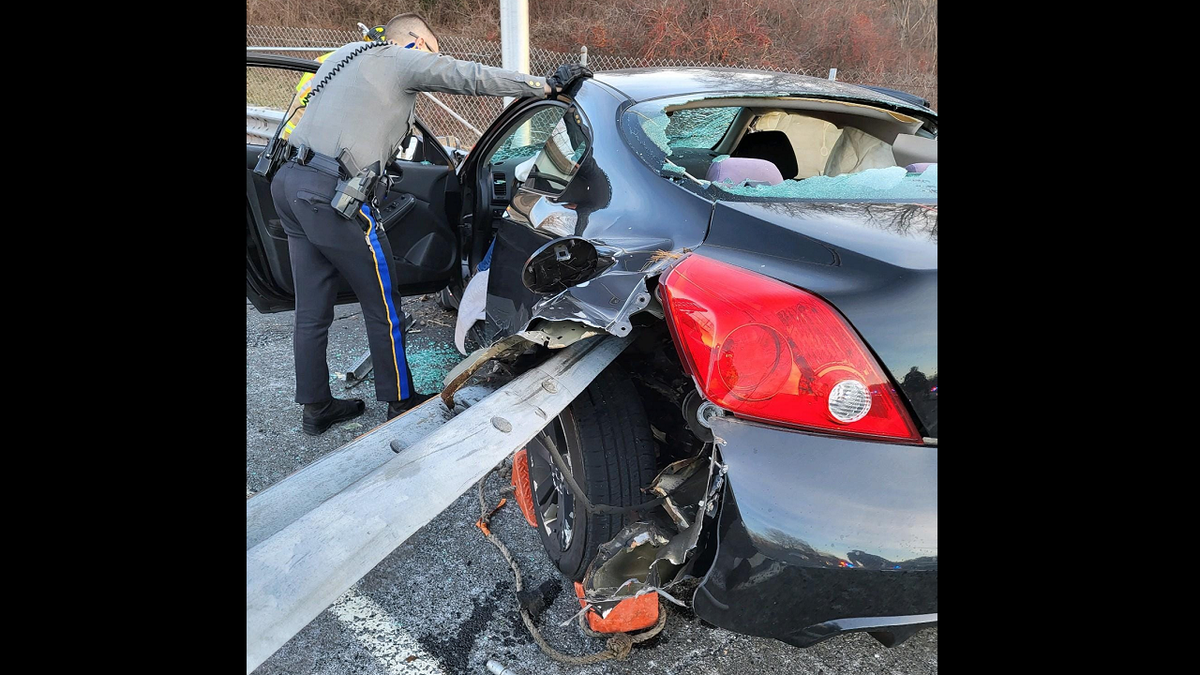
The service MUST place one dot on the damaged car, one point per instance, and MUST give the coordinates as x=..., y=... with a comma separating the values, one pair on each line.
x=764, y=451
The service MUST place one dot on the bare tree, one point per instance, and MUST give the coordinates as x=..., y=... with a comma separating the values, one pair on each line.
x=917, y=22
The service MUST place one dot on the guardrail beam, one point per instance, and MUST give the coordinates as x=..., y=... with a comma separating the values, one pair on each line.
x=297, y=572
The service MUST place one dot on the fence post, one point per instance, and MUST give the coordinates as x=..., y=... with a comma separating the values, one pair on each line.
x=833, y=73
x=583, y=55
x=514, y=37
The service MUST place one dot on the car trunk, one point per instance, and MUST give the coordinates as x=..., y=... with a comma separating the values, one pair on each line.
x=874, y=262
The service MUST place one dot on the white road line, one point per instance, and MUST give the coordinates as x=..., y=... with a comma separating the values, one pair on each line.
x=381, y=635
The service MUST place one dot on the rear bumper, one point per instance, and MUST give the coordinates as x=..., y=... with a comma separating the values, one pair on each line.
x=820, y=536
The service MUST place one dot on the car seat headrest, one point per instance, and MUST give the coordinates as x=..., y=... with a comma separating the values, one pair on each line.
x=737, y=170
x=773, y=146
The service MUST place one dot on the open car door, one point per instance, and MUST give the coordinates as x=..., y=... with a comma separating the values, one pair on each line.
x=414, y=213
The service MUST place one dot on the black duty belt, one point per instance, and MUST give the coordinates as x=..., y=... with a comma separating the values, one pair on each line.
x=307, y=157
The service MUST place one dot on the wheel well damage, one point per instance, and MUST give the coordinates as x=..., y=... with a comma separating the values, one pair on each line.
x=659, y=552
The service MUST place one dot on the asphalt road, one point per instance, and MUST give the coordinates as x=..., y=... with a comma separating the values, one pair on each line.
x=443, y=601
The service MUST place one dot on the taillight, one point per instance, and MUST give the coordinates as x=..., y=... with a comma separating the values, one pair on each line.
x=768, y=351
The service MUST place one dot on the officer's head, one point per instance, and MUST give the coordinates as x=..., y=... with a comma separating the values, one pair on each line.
x=410, y=29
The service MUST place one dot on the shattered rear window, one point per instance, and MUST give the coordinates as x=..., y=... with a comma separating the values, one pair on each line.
x=890, y=183
x=679, y=145
x=699, y=127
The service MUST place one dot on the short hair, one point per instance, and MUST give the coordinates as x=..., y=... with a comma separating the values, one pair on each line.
x=397, y=30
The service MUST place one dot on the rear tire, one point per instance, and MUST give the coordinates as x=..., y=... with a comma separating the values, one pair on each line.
x=605, y=438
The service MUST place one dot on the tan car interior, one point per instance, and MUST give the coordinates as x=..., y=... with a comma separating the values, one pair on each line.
x=811, y=137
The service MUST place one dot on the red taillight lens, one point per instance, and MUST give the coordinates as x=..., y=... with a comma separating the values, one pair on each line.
x=768, y=351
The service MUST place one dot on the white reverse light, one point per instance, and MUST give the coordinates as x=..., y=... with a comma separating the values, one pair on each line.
x=849, y=401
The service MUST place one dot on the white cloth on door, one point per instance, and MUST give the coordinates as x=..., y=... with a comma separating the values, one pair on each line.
x=471, y=308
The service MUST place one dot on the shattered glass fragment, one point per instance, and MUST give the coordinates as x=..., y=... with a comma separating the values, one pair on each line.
x=889, y=183
x=430, y=361
x=505, y=152
x=656, y=128
x=699, y=127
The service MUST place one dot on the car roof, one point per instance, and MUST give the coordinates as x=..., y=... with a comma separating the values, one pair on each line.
x=640, y=84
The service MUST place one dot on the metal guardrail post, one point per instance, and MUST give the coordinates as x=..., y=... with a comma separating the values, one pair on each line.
x=292, y=49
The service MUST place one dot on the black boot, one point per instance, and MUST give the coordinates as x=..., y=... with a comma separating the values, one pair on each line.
x=395, y=408
x=320, y=416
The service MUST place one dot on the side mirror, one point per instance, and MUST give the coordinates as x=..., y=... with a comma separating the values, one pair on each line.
x=562, y=263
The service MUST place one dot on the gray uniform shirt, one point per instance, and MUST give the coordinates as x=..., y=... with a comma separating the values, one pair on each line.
x=367, y=106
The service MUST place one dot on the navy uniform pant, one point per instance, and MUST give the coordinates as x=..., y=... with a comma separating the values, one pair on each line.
x=323, y=245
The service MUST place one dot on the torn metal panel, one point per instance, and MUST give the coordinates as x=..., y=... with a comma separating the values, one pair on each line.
x=605, y=303
x=558, y=334
x=682, y=486
x=680, y=547
x=611, y=297
x=608, y=297
x=624, y=562
x=645, y=557
x=625, y=566
x=614, y=203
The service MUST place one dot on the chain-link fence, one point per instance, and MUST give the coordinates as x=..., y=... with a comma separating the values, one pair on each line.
x=464, y=118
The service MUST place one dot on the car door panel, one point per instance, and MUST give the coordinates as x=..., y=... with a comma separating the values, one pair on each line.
x=273, y=290
x=413, y=215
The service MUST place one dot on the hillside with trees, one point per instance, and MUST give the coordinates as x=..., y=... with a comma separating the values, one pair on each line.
x=891, y=42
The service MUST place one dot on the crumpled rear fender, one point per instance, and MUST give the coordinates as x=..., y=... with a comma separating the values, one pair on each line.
x=637, y=219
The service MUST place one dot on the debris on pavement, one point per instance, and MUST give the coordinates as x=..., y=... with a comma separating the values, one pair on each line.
x=619, y=645
x=535, y=600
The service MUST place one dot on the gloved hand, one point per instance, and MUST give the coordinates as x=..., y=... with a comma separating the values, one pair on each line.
x=565, y=75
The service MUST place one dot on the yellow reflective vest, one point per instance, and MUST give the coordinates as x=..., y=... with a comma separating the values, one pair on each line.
x=302, y=89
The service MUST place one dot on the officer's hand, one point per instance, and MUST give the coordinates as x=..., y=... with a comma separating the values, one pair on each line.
x=566, y=75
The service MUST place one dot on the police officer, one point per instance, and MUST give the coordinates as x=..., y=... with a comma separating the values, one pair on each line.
x=305, y=85
x=359, y=110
